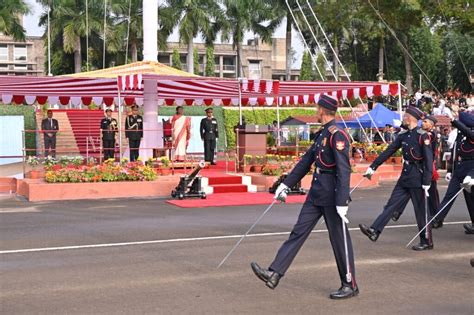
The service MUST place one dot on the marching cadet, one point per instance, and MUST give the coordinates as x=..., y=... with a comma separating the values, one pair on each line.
x=428, y=125
x=328, y=198
x=209, y=134
x=414, y=182
x=460, y=166
x=108, y=125
x=134, y=132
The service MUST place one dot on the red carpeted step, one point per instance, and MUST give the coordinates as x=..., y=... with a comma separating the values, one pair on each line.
x=219, y=189
x=223, y=180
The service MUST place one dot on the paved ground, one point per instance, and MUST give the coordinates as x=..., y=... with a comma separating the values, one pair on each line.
x=175, y=273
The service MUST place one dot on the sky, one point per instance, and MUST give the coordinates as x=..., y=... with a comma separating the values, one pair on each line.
x=30, y=22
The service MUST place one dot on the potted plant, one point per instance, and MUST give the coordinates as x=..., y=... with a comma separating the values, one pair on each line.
x=257, y=167
x=49, y=162
x=165, y=165
x=397, y=157
x=247, y=161
x=34, y=161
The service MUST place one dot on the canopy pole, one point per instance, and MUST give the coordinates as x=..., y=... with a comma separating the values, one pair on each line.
x=240, y=102
x=278, y=122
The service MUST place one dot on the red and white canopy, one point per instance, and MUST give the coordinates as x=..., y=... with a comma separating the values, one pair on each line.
x=173, y=90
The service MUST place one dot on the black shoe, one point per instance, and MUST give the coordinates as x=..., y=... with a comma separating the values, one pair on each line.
x=270, y=278
x=372, y=234
x=469, y=228
x=472, y=262
x=437, y=224
x=396, y=215
x=344, y=292
x=422, y=246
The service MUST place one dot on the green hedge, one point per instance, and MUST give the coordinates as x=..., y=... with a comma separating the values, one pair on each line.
x=199, y=111
x=28, y=112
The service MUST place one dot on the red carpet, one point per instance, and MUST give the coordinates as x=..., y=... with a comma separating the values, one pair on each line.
x=233, y=199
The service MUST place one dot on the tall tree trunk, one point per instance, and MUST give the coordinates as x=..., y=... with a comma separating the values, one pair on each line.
x=239, y=60
x=408, y=69
x=334, y=59
x=77, y=56
x=381, y=48
x=288, y=48
x=134, y=51
x=190, y=57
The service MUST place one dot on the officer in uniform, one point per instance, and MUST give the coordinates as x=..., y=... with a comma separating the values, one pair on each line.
x=209, y=134
x=414, y=182
x=50, y=127
x=460, y=165
x=134, y=132
x=108, y=126
x=328, y=198
x=428, y=125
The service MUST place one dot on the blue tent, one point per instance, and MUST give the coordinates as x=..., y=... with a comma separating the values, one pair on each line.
x=380, y=114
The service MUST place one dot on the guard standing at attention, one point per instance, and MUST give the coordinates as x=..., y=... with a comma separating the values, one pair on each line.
x=328, y=198
x=209, y=134
x=414, y=182
x=108, y=126
x=134, y=132
x=460, y=166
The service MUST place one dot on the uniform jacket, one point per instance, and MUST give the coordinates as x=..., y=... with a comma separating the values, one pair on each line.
x=134, y=127
x=330, y=155
x=417, y=155
x=109, y=128
x=46, y=126
x=463, y=149
x=208, y=129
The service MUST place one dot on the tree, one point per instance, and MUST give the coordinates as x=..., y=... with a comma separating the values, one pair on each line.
x=306, y=72
x=210, y=70
x=193, y=18
x=196, y=62
x=247, y=16
x=10, y=13
x=176, y=60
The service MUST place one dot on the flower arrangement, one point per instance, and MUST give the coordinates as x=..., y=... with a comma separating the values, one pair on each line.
x=49, y=162
x=107, y=172
x=247, y=159
x=165, y=161
x=33, y=161
x=259, y=159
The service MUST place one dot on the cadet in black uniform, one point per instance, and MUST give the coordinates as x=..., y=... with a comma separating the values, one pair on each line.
x=428, y=125
x=328, y=198
x=134, y=132
x=209, y=134
x=460, y=165
x=108, y=125
x=414, y=181
x=50, y=127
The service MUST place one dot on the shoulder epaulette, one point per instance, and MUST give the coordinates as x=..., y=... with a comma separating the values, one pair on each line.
x=402, y=131
x=421, y=131
x=333, y=129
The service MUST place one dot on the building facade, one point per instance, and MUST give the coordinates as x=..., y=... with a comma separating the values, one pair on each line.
x=22, y=58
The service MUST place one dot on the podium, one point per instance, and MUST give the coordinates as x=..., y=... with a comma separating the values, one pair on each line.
x=251, y=140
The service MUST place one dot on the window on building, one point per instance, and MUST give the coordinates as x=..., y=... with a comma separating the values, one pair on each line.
x=3, y=52
x=21, y=67
x=20, y=52
x=254, y=69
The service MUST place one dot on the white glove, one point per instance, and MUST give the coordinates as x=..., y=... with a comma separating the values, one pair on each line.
x=448, y=177
x=281, y=192
x=426, y=188
x=370, y=171
x=342, y=211
x=468, y=181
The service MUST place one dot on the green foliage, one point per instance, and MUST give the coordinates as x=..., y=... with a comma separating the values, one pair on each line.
x=176, y=60
x=210, y=63
x=10, y=13
x=306, y=72
x=196, y=62
x=28, y=112
x=457, y=72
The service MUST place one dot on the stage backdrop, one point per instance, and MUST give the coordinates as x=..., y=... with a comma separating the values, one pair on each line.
x=195, y=144
x=11, y=128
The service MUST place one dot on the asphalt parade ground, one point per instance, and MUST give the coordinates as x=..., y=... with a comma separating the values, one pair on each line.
x=143, y=256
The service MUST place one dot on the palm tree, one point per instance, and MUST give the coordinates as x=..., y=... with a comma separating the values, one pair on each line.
x=247, y=16
x=193, y=18
x=10, y=13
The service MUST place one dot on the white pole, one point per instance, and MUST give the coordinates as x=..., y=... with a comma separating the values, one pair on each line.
x=240, y=102
x=49, y=42
x=150, y=30
x=105, y=25
x=400, y=99
x=420, y=81
x=120, y=121
x=87, y=35
x=278, y=121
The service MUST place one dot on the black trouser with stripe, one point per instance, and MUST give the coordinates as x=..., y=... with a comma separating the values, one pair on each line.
x=134, y=149
x=397, y=202
x=108, y=146
x=209, y=147
x=307, y=220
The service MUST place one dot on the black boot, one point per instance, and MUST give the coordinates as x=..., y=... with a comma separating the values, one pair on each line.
x=472, y=262
x=344, y=292
x=270, y=278
x=437, y=224
x=395, y=216
x=372, y=234
x=469, y=228
x=423, y=245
